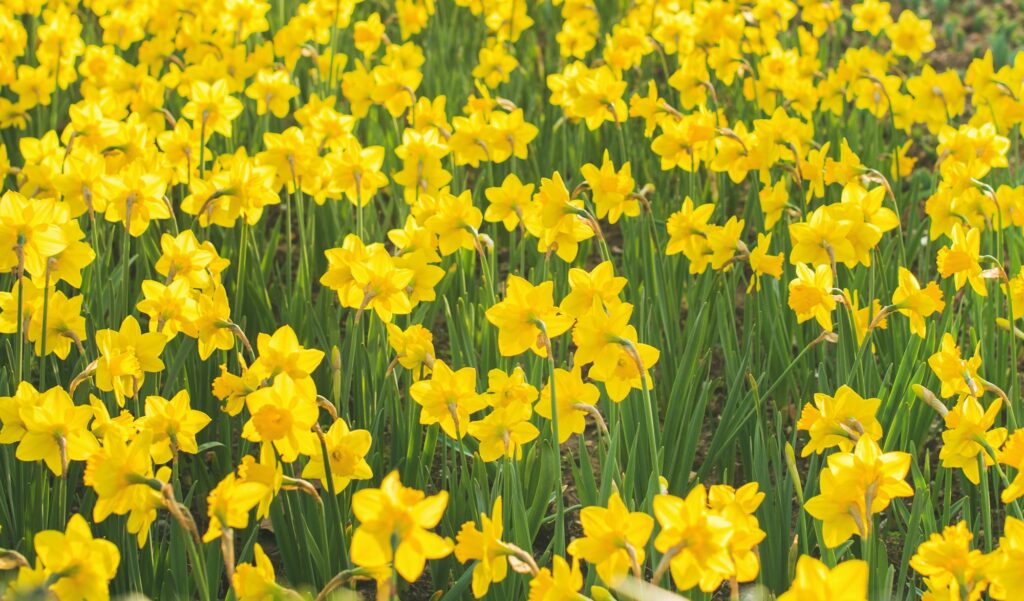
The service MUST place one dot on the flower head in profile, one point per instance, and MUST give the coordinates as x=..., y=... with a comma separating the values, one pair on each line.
x=484, y=545
x=1002, y=566
x=12, y=426
x=961, y=259
x=256, y=581
x=414, y=347
x=229, y=503
x=839, y=421
x=121, y=474
x=915, y=302
x=556, y=220
x=959, y=376
x=1012, y=454
x=738, y=505
x=762, y=263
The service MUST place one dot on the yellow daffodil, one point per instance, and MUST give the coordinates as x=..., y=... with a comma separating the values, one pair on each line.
x=855, y=486
x=950, y=568
x=526, y=317
x=484, y=545
x=394, y=528
x=346, y=455
x=810, y=295
x=448, y=398
x=847, y=581
x=839, y=421
x=613, y=539
x=968, y=431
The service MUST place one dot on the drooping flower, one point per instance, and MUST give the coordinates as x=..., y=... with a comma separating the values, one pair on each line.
x=839, y=421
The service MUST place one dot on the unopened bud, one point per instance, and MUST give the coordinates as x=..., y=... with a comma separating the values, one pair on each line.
x=486, y=242
x=794, y=475
x=930, y=399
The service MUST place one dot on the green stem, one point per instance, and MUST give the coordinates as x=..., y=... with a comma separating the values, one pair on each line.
x=42, y=335
x=559, y=539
